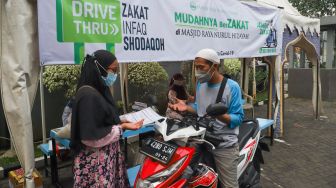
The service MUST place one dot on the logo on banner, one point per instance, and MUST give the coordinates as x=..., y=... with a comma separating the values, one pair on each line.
x=267, y=28
x=193, y=5
x=89, y=21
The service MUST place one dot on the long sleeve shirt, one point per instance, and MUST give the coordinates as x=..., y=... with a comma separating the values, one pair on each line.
x=111, y=137
x=206, y=94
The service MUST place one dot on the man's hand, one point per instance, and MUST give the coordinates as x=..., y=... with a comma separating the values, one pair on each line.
x=179, y=106
x=132, y=126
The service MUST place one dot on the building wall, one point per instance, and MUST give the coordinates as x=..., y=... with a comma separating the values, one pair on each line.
x=328, y=77
x=300, y=83
x=328, y=35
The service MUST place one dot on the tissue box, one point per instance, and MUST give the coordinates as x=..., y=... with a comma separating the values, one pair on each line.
x=16, y=179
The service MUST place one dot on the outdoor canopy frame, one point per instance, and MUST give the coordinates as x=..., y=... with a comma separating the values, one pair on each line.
x=33, y=74
x=299, y=31
x=233, y=4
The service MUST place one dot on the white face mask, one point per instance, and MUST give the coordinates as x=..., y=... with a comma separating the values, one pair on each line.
x=203, y=76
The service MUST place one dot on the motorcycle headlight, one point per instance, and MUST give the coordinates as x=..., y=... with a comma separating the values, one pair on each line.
x=158, y=178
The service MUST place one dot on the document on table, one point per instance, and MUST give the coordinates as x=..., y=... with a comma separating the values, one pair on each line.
x=148, y=114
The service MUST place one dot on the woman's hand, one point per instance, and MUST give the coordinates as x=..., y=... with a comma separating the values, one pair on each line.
x=124, y=121
x=132, y=126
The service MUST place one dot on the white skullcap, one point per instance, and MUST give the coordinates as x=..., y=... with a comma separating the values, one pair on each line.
x=208, y=54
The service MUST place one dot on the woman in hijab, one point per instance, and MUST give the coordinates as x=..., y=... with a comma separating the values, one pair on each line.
x=96, y=127
x=177, y=90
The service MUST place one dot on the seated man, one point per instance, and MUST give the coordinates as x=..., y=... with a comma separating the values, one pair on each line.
x=225, y=126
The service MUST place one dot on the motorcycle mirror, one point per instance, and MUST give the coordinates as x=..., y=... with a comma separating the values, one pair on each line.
x=216, y=109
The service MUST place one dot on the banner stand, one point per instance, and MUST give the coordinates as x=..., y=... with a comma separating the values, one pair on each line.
x=44, y=135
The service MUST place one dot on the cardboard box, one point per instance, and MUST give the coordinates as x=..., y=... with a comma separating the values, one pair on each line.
x=16, y=179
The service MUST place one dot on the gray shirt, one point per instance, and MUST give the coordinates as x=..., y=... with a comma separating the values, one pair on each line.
x=206, y=94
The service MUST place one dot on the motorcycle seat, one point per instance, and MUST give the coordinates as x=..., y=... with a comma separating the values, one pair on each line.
x=246, y=131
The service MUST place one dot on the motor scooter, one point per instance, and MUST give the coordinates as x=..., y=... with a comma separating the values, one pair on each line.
x=168, y=157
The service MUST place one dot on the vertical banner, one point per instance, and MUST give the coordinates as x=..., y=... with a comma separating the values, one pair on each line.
x=155, y=30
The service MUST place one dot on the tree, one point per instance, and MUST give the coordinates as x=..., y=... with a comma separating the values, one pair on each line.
x=313, y=8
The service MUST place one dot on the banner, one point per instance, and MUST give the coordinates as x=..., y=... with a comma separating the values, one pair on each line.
x=155, y=30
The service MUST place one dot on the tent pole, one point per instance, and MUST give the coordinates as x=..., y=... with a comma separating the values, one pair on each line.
x=123, y=86
x=282, y=98
x=317, y=89
x=121, y=79
x=126, y=87
x=246, y=75
x=244, y=72
x=270, y=89
x=254, y=88
x=245, y=89
x=44, y=137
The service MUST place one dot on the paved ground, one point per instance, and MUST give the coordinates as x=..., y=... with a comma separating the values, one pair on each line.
x=308, y=156
x=306, y=159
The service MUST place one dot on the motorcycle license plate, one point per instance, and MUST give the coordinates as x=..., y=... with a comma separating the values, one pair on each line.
x=158, y=150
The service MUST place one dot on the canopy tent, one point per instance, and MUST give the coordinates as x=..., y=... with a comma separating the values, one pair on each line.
x=187, y=28
x=299, y=31
x=19, y=76
x=191, y=25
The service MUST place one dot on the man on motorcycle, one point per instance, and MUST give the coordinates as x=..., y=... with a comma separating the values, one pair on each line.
x=224, y=127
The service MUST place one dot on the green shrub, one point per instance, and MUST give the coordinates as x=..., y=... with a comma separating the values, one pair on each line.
x=261, y=80
x=232, y=68
x=147, y=78
x=62, y=77
x=146, y=75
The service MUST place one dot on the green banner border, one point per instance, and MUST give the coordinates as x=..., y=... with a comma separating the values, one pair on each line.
x=59, y=20
x=79, y=51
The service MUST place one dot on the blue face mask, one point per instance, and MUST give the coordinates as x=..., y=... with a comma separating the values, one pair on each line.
x=110, y=79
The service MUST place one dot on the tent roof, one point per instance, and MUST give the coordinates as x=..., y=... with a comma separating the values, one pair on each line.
x=291, y=17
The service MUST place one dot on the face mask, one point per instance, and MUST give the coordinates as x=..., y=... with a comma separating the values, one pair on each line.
x=110, y=79
x=203, y=76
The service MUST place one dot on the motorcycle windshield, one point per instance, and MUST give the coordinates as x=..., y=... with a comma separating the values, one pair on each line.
x=173, y=125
